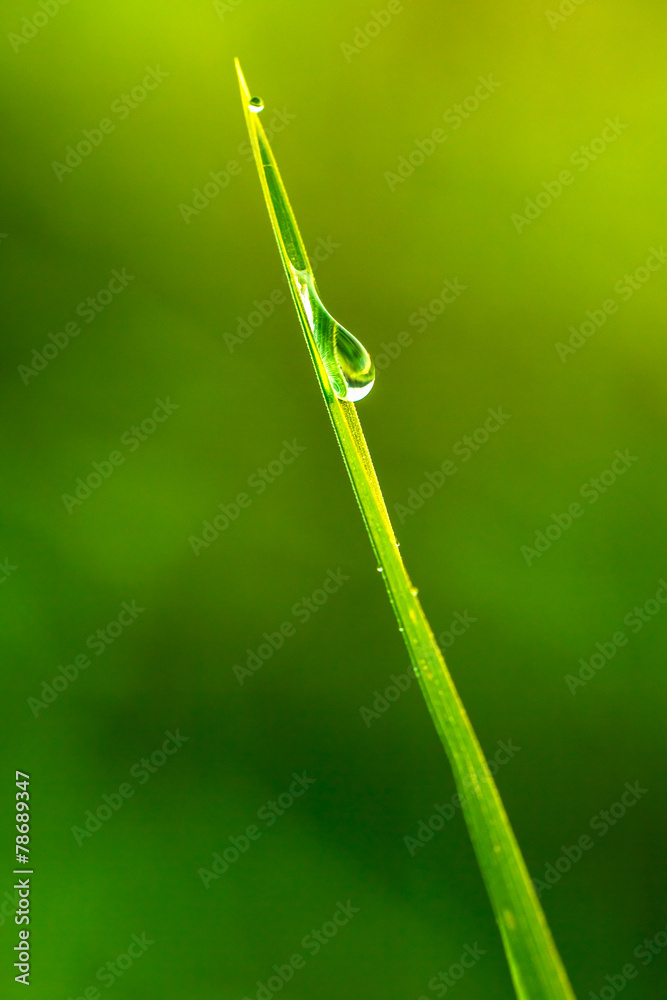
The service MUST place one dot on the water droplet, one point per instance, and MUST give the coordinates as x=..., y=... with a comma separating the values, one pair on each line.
x=401, y=629
x=347, y=362
x=414, y=591
x=255, y=104
x=355, y=364
x=380, y=570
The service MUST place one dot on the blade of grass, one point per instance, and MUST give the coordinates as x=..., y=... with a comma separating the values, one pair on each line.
x=535, y=966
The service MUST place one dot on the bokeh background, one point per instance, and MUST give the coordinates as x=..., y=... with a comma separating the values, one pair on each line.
x=351, y=103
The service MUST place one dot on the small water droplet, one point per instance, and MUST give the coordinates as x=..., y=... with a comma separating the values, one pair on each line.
x=401, y=630
x=255, y=104
x=380, y=570
x=414, y=591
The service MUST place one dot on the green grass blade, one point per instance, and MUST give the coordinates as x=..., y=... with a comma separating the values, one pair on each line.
x=535, y=965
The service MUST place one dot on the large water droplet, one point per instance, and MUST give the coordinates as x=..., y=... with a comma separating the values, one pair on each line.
x=355, y=363
x=255, y=104
x=348, y=364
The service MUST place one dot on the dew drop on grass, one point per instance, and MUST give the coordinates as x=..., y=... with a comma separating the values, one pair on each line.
x=347, y=362
x=255, y=104
x=355, y=364
x=414, y=591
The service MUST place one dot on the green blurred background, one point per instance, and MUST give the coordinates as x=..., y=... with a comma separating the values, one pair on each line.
x=352, y=103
